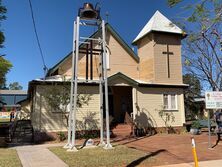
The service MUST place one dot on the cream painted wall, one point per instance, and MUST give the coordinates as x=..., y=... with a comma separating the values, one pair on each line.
x=160, y=59
x=120, y=61
x=45, y=119
x=147, y=102
x=146, y=54
x=153, y=66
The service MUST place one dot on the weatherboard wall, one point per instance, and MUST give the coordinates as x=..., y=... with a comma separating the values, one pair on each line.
x=153, y=66
x=148, y=102
x=146, y=54
x=160, y=60
x=120, y=61
x=44, y=118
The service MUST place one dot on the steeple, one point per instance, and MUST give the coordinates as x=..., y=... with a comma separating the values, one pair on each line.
x=158, y=23
x=159, y=50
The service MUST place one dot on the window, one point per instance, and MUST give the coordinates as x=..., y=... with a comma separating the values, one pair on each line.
x=12, y=99
x=170, y=101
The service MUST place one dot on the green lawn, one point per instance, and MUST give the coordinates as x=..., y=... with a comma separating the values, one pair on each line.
x=4, y=120
x=120, y=156
x=9, y=158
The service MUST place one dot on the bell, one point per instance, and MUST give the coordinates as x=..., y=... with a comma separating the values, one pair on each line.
x=88, y=12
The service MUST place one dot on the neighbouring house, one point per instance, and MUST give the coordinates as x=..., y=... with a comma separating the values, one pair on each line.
x=142, y=84
x=11, y=100
x=198, y=111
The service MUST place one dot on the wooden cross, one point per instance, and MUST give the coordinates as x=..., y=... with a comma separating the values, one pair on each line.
x=168, y=53
x=89, y=51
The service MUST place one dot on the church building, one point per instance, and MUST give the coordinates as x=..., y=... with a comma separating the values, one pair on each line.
x=146, y=85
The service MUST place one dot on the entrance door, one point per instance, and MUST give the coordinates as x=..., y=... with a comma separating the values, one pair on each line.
x=122, y=102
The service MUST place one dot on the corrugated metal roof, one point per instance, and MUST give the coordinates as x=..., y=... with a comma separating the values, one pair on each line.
x=60, y=79
x=158, y=22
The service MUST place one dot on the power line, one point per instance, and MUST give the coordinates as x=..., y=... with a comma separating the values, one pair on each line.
x=37, y=38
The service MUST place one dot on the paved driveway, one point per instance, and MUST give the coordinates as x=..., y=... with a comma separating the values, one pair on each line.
x=174, y=149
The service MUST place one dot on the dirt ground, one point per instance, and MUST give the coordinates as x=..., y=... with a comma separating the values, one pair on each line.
x=174, y=149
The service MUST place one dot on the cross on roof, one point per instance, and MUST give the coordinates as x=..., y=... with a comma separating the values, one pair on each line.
x=168, y=53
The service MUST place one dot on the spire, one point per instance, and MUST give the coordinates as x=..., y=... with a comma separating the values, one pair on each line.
x=159, y=23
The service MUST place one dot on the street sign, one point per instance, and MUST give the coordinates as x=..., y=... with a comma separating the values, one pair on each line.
x=213, y=100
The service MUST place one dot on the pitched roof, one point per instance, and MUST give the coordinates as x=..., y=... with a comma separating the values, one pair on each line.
x=159, y=23
x=116, y=36
x=122, y=76
x=60, y=80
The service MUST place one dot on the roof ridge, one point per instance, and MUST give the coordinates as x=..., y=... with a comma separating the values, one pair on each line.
x=116, y=35
x=159, y=23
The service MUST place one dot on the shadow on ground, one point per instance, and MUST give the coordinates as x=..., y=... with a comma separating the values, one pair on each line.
x=141, y=159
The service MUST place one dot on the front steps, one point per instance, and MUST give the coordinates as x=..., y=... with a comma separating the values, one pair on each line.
x=122, y=131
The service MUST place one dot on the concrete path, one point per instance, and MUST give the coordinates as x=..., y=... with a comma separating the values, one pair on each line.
x=36, y=156
x=212, y=163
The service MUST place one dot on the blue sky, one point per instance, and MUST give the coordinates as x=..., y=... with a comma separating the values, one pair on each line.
x=54, y=22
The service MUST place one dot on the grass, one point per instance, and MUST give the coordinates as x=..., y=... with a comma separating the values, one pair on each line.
x=9, y=158
x=4, y=120
x=119, y=156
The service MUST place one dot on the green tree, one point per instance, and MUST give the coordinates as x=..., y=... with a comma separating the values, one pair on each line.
x=58, y=98
x=192, y=109
x=4, y=69
x=15, y=86
x=194, y=85
x=5, y=65
x=203, y=46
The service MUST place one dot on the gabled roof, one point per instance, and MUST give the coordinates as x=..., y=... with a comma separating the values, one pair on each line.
x=60, y=80
x=115, y=35
x=159, y=23
x=138, y=83
x=122, y=76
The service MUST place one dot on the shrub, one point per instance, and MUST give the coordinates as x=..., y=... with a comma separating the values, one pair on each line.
x=61, y=136
x=195, y=125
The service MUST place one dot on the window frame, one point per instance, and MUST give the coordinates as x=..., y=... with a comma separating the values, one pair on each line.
x=169, y=102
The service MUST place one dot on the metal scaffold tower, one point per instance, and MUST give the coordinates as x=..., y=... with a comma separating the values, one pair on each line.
x=88, y=16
